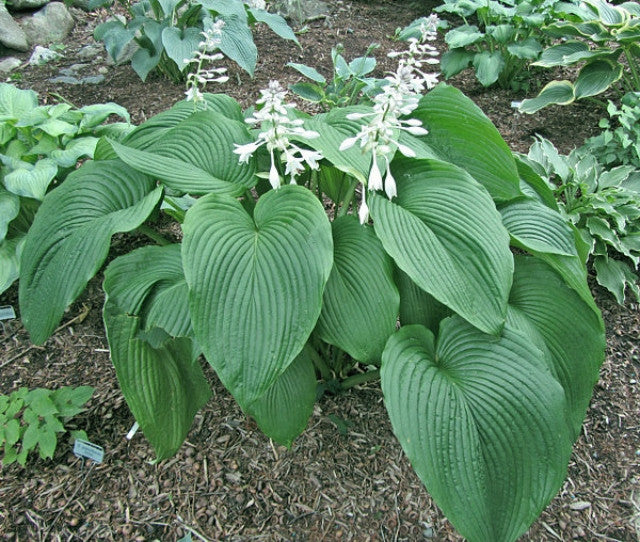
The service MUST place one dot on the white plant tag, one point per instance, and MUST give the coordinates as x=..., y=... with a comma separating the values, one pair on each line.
x=88, y=450
x=7, y=312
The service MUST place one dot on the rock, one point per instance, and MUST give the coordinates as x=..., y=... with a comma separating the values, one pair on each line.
x=42, y=55
x=299, y=12
x=9, y=64
x=51, y=24
x=65, y=79
x=92, y=80
x=11, y=35
x=89, y=52
x=21, y=5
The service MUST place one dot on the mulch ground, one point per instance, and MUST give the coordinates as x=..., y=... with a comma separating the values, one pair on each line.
x=345, y=478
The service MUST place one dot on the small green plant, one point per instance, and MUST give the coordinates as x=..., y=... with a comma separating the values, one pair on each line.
x=39, y=146
x=507, y=37
x=619, y=142
x=347, y=85
x=604, y=38
x=169, y=32
x=603, y=204
x=32, y=420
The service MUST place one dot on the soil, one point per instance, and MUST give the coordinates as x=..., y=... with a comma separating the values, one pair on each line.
x=345, y=477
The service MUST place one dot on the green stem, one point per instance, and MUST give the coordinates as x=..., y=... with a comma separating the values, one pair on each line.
x=318, y=362
x=360, y=378
x=153, y=235
x=179, y=210
x=347, y=200
x=633, y=68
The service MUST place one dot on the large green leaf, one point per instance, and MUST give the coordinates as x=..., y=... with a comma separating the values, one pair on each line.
x=461, y=133
x=443, y=230
x=164, y=386
x=236, y=42
x=9, y=209
x=596, y=77
x=69, y=238
x=147, y=57
x=196, y=156
x=275, y=22
x=555, y=92
x=31, y=181
x=454, y=61
x=462, y=36
x=481, y=420
x=573, y=334
x=256, y=283
x=360, y=303
x=149, y=283
x=181, y=44
x=15, y=103
x=563, y=54
x=489, y=66
x=284, y=410
x=537, y=227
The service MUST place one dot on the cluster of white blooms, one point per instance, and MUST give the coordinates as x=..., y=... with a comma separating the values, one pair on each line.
x=206, y=52
x=276, y=127
x=399, y=97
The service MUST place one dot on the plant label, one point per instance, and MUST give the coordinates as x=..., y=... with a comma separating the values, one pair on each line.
x=7, y=312
x=88, y=450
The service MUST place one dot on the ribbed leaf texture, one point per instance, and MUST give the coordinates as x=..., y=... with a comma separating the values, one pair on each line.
x=196, y=156
x=482, y=421
x=256, y=283
x=149, y=283
x=284, y=410
x=361, y=301
x=443, y=231
x=462, y=134
x=572, y=333
x=70, y=236
x=164, y=386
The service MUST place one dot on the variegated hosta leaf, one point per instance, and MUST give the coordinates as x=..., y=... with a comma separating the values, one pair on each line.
x=360, y=302
x=443, y=230
x=164, y=386
x=256, y=283
x=572, y=333
x=70, y=236
x=462, y=134
x=482, y=420
x=196, y=156
x=284, y=409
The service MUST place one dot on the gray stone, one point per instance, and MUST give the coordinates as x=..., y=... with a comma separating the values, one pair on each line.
x=42, y=55
x=92, y=80
x=301, y=11
x=65, y=79
x=21, y=5
x=89, y=52
x=11, y=35
x=51, y=24
x=9, y=64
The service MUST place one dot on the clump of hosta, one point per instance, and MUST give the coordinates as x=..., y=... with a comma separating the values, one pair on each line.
x=399, y=98
x=203, y=56
x=273, y=119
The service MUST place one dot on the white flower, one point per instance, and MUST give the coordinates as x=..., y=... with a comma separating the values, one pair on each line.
x=276, y=129
x=363, y=212
x=375, y=177
x=390, y=183
x=200, y=77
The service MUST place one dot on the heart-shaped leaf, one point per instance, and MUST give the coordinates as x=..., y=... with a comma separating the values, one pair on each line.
x=180, y=45
x=256, y=283
x=70, y=236
x=360, y=303
x=32, y=181
x=596, y=77
x=481, y=420
x=443, y=231
x=488, y=67
x=555, y=92
x=462, y=134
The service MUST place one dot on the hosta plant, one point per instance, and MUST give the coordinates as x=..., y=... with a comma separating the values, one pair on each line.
x=603, y=204
x=31, y=420
x=305, y=240
x=39, y=146
x=168, y=33
x=603, y=38
x=507, y=37
x=619, y=142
